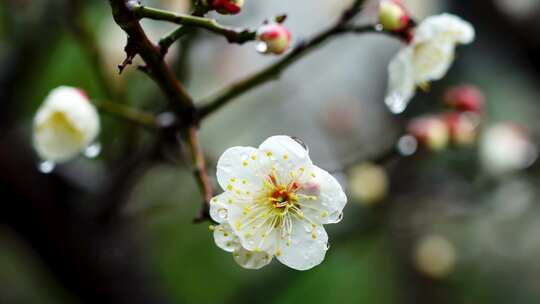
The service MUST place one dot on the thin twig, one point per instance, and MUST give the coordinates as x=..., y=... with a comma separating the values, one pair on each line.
x=273, y=72
x=135, y=116
x=200, y=172
x=232, y=35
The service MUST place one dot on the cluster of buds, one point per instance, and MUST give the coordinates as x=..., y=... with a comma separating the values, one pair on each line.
x=274, y=38
x=225, y=7
x=459, y=126
x=393, y=16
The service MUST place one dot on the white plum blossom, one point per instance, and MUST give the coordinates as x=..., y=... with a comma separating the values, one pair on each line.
x=275, y=204
x=428, y=57
x=65, y=124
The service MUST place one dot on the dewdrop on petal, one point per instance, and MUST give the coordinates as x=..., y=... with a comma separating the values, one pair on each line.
x=435, y=256
x=393, y=16
x=274, y=38
x=368, y=184
x=65, y=124
x=275, y=203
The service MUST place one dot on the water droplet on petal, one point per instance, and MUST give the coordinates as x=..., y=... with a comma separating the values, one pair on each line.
x=93, y=150
x=46, y=167
x=379, y=27
x=261, y=47
x=396, y=103
x=223, y=213
x=407, y=145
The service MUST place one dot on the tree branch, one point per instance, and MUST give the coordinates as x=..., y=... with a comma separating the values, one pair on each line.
x=222, y=98
x=232, y=35
x=138, y=43
x=135, y=116
x=200, y=172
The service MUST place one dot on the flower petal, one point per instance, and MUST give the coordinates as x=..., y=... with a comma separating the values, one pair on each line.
x=286, y=154
x=219, y=206
x=251, y=260
x=225, y=238
x=401, y=86
x=431, y=60
x=254, y=226
x=241, y=168
x=307, y=248
x=330, y=200
x=448, y=27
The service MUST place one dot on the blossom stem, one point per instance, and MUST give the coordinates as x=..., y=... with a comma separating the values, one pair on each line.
x=142, y=118
x=232, y=35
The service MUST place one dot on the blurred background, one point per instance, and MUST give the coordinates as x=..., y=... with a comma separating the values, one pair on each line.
x=457, y=225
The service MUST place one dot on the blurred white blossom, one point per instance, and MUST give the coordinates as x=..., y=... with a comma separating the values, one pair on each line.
x=506, y=148
x=275, y=204
x=428, y=57
x=65, y=124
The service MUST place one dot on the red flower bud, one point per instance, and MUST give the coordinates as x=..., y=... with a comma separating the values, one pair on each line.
x=463, y=127
x=393, y=16
x=227, y=7
x=465, y=98
x=275, y=37
x=430, y=131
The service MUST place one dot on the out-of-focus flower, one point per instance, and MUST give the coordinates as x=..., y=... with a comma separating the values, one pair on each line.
x=225, y=7
x=466, y=98
x=435, y=256
x=463, y=127
x=393, y=16
x=506, y=148
x=275, y=203
x=368, y=183
x=430, y=131
x=518, y=9
x=64, y=125
x=274, y=37
x=427, y=58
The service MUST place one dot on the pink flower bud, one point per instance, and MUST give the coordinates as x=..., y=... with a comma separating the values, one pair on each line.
x=276, y=38
x=430, y=131
x=463, y=127
x=465, y=98
x=227, y=7
x=393, y=16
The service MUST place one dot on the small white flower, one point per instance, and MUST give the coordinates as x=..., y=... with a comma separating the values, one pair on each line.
x=428, y=57
x=64, y=125
x=275, y=204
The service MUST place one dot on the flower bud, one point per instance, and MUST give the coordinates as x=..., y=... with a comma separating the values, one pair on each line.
x=506, y=148
x=393, y=16
x=463, y=127
x=65, y=124
x=465, y=98
x=226, y=7
x=435, y=256
x=275, y=37
x=430, y=131
x=368, y=184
